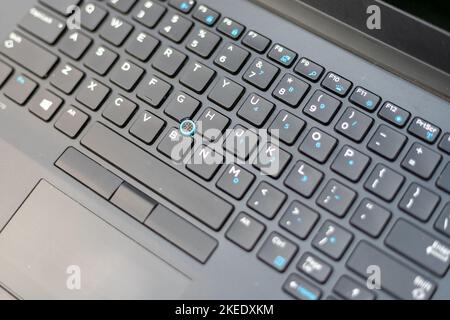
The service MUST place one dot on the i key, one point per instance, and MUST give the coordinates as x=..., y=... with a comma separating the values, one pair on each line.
x=286, y=127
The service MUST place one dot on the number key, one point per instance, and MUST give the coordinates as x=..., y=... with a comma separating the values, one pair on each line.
x=261, y=74
x=354, y=124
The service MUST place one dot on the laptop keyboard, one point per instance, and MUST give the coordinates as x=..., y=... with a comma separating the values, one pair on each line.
x=154, y=64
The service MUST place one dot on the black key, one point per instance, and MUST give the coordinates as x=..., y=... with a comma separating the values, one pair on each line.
x=443, y=181
x=100, y=60
x=277, y=251
x=120, y=110
x=212, y=124
x=60, y=6
x=154, y=91
x=71, y=122
x=116, y=31
x=92, y=94
x=349, y=289
x=5, y=72
x=350, y=163
x=443, y=222
x=421, y=161
x=74, y=44
x=286, y=127
x=182, y=107
x=266, y=200
x=256, y=110
x=134, y=202
x=291, y=90
x=370, y=218
x=123, y=6
x=42, y=25
x=168, y=60
x=261, y=74
x=318, y=145
x=45, y=104
x=230, y=28
x=332, y=240
x=397, y=279
x=88, y=172
x=309, y=69
x=66, y=78
x=322, y=107
x=245, y=231
x=256, y=41
x=272, y=160
x=354, y=124
x=394, y=114
x=301, y=289
x=174, y=145
x=336, y=84
x=336, y=198
x=142, y=46
x=92, y=15
x=231, y=58
x=235, y=181
x=149, y=13
x=147, y=127
x=444, y=145
x=20, y=89
x=28, y=55
x=205, y=162
x=417, y=245
x=182, y=233
x=241, y=142
x=299, y=220
x=419, y=202
x=282, y=55
x=175, y=27
x=126, y=75
x=184, y=6
x=206, y=15
x=304, y=179
x=384, y=182
x=197, y=76
x=314, y=267
x=365, y=99
x=226, y=93
x=202, y=42
x=424, y=130
x=158, y=176
x=387, y=142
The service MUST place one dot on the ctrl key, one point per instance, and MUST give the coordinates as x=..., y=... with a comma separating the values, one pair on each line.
x=301, y=289
x=277, y=251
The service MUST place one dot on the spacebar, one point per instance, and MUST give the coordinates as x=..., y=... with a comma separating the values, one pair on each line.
x=158, y=176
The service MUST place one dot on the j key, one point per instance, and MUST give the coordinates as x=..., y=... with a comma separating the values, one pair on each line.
x=336, y=198
x=92, y=94
x=424, y=130
x=212, y=124
x=282, y=55
x=28, y=55
x=174, y=145
x=197, y=76
x=394, y=114
x=74, y=44
x=256, y=110
x=182, y=106
x=230, y=28
x=126, y=75
x=256, y=41
x=261, y=74
x=71, y=122
x=286, y=127
x=147, y=127
x=387, y=142
x=318, y=145
x=291, y=90
x=272, y=160
x=60, y=6
x=299, y=220
x=322, y=107
x=420, y=247
x=241, y=142
x=231, y=58
x=349, y=289
x=444, y=145
x=20, y=89
x=175, y=27
x=370, y=218
x=384, y=182
x=354, y=124
x=142, y=46
x=184, y=6
x=332, y=240
x=149, y=13
x=335, y=83
x=66, y=78
x=206, y=15
x=202, y=42
x=421, y=161
x=277, y=251
x=42, y=25
x=100, y=60
x=245, y=231
x=266, y=200
x=168, y=60
x=226, y=93
x=123, y=6
x=5, y=72
x=304, y=179
x=443, y=222
x=314, y=267
x=443, y=181
x=365, y=99
x=154, y=91
x=235, y=181
x=120, y=110
x=399, y=280
x=115, y=31
x=301, y=289
x=419, y=202
x=205, y=162
x=309, y=69
x=45, y=104
x=91, y=16
x=350, y=163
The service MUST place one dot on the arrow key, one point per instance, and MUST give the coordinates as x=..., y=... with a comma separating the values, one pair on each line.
x=266, y=200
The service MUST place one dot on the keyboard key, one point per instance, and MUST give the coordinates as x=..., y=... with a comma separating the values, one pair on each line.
x=261, y=74
x=314, y=267
x=370, y=218
x=120, y=110
x=205, y=162
x=182, y=107
x=45, y=104
x=277, y=251
x=168, y=60
x=241, y=142
x=42, y=25
x=354, y=124
x=245, y=231
x=309, y=69
x=443, y=181
x=126, y=75
x=301, y=289
x=66, y=78
x=60, y=6
x=92, y=16
x=419, y=202
x=197, y=76
x=123, y=6
x=206, y=15
x=424, y=130
x=272, y=160
x=394, y=114
x=74, y=44
x=421, y=161
x=332, y=240
x=350, y=163
x=100, y=60
x=149, y=13
x=256, y=41
x=231, y=58
x=266, y=200
x=299, y=220
x=115, y=31
x=304, y=179
x=282, y=55
x=142, y=46
x=384, y=182
x=134, y=202
x=255, y=110
x=5, y=72
x=336, y=198
x=322, y=107
x=336, y=84
x=20, y=89
x=212, y=124
x=349, y=289
x=175, y=27
x=226, y=93
x=365, y=99
x=71, y=122
x=235, y=181
x=318, y=145
x=147, y=127
x=291, y=90
x=387, y=142
x=444, y=145
x=230, y=28
x=154, y=91
x=202, y=42
x=184, y=6
x=286, y=127
x=174, y=145
x=443, y=222
x=92, y=94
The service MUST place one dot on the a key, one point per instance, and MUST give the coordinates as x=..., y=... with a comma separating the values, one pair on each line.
x=387, y=142
x=266, y=200
x=45, y=104
x=235, y=181
x=115, y=31
x=74, y=44
x=256, y=110
x=354, y=124
x=92, y=16
x=142, y=46
x=126, y=75
x=120, y=110
x=301, y=289
x=100, y=59
x=184, y=6
x=314, y=267
x=309, y=69
x=419, y=202
x=384, y=182
x=154, y=91
x=245, y=231
x=350, y=163
x=66, y=78
x=421, y=161
x=256, y=41
x=349, y=289
x=443, y=181
x=322, y=107
x=394, y=114
x=286, y=127
x=299, y=220
x=147, y=127
x=149, y=13
x=60, y=6
x=19, y=89
x=304, y=179
x=332, y=240
x=443, y=222
x=282, y=55
x=205, y=162
x=71, y=122
x=175, y=27
x=202, y=42
x=196, y=76
x=241, y=142
x=272, y=160
x=92, y=94
x=365, y=99
x=168, y=60
x=318, y=145
x=336, y=84
x=291, y=90
x=231, y=58
x=5, y=72
x=444, y=145
x=370, y=218
x=212, y=124
x=336, y=198
x=226, y=93
x=230, y=28
x=182, y=107
x=277, y=251
x=206, y=15
x=123, y=6
x=424, y=130
x=261, y=74
x=42, y=25
x=174, y=145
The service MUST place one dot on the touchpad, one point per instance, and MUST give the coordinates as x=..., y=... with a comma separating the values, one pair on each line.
x=56, y=248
